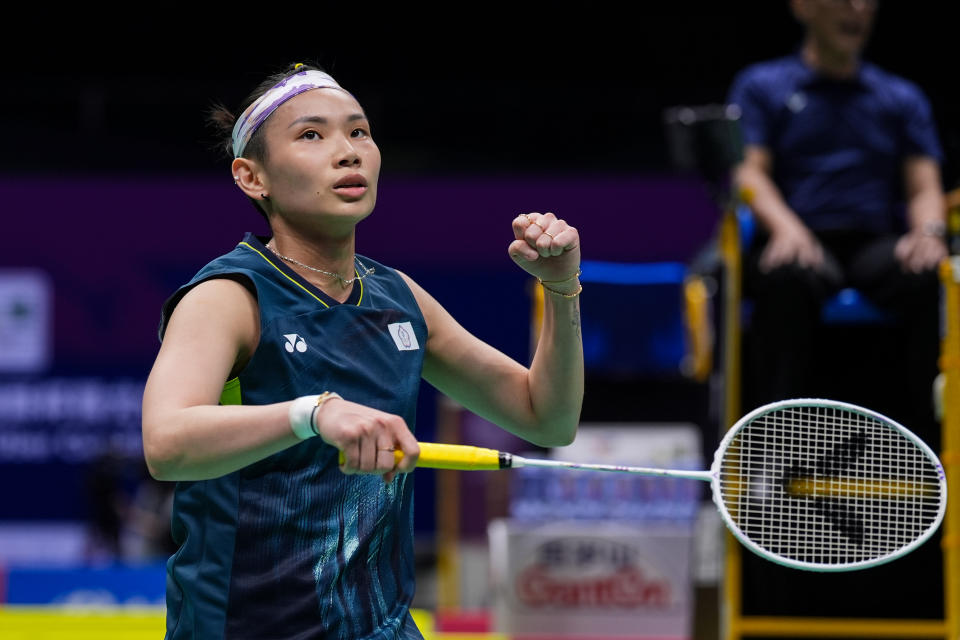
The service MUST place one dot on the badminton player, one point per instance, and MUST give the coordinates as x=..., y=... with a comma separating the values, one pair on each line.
x=291, y=349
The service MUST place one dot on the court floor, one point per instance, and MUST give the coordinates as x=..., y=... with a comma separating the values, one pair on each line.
x=52, y=623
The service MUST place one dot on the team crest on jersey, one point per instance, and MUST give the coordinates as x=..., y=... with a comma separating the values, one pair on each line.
x=294, y=342
x=403, y=336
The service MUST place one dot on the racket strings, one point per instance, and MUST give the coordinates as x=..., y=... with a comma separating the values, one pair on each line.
x=828, y=486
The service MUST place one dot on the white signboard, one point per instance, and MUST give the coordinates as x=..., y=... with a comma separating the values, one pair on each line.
x=25, y=321
x=591, y=579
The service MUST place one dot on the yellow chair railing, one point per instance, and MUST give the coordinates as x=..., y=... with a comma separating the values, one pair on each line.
x=737, y=626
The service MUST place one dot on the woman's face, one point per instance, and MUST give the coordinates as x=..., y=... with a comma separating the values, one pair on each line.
x=322, y=162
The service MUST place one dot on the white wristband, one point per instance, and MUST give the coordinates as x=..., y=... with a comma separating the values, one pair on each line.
x=302, y=411
x=301, y=416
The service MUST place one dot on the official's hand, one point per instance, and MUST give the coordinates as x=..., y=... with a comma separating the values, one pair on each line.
x=917, y=251
x=545, y=246
x=367, y=437
x=789, y=244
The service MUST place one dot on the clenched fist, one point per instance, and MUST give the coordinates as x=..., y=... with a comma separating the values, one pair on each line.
x=547, y=248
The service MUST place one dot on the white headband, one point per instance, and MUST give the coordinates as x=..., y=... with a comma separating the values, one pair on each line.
x=255, y=115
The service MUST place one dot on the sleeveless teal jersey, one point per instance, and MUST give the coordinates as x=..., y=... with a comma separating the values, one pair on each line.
x=290, y=547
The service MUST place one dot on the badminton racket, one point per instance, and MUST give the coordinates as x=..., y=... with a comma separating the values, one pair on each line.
x=811, y=484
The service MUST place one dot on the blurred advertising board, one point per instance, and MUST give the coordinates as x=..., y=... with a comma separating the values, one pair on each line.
x=108, y=586
x=591, y=579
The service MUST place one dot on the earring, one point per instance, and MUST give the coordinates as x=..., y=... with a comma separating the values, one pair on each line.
x=264, y=196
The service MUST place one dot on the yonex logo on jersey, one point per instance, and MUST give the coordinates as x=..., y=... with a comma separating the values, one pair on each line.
x=403, y=336
x=294, y=341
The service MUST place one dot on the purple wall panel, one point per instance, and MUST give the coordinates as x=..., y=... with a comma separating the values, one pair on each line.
x=116, y=247
x=467, y=219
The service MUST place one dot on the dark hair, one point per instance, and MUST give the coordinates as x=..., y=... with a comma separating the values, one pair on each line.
x=221, y=119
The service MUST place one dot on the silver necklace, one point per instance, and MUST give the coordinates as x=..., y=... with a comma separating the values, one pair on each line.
x=343, y=281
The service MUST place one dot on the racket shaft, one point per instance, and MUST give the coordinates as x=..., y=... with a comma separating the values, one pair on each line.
x=467, y=458
x=706, y=476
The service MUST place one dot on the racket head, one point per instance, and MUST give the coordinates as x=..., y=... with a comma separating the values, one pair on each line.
x=823, y=485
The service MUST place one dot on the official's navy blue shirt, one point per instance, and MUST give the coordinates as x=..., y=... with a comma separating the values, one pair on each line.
x=838, y=146
x=290, y=547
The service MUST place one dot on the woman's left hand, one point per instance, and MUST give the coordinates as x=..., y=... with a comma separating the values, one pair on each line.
x=546, y=247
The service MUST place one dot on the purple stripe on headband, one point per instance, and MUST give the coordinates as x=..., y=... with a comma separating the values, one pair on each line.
x=240, y=124
x=265, y=113
x=284, y=82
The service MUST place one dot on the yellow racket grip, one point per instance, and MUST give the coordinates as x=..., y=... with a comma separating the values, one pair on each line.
x=459, y=457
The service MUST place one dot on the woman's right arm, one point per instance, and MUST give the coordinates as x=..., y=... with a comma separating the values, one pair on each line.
x=187, y=435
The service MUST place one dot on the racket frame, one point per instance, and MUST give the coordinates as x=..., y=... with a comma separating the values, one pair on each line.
x=759, y=412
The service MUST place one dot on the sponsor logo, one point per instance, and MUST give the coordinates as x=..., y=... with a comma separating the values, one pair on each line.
x=591, y=573
x=627, y=587
x=26, y=321
x=294, y=342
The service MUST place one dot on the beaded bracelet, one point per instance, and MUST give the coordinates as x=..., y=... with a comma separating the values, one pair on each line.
x=560, y=293
x=576, y=275
x=323, y=397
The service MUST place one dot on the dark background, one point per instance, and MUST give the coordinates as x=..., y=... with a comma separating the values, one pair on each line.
x=466, y=88
x=109, y=182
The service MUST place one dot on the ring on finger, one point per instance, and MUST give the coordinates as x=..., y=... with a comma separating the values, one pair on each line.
x=547, y=233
